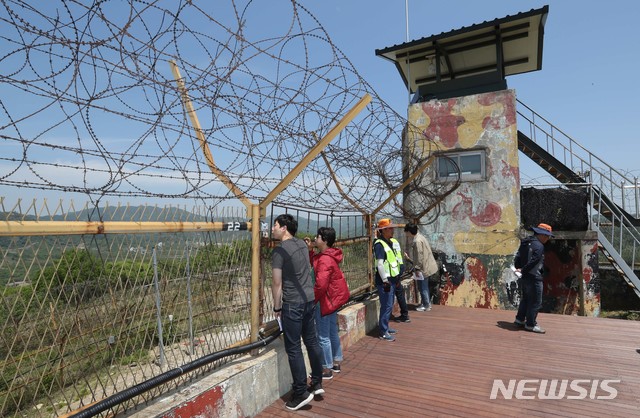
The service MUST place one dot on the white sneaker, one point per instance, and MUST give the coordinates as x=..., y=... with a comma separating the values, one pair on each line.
x=421, y=309
x=428, y=308
x=535, y=329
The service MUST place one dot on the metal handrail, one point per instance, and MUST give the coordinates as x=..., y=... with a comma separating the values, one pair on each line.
x=591, y=167
x=622, y=237
x=610, y=208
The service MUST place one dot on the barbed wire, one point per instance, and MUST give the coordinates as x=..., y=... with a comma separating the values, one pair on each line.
x=90, y=105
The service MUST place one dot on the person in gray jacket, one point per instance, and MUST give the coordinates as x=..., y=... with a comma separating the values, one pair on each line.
x=424, y=263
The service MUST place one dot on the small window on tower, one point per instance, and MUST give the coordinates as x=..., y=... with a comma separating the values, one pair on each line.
x=470, y=163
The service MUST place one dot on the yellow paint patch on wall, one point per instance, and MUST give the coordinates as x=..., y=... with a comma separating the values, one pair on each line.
x=490, y=243
x=512, y=138
x=418, y=122
x=471, y=294
x=591, y=307
x=418, y=118
x=474, y=114
x=508, y=220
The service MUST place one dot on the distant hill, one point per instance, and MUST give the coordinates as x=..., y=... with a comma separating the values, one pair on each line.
x=6, y=216
x=345, y=227
x=133, y=214
x=122, y=213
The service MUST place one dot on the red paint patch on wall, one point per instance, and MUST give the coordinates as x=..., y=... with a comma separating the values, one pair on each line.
x=203, y=405
x=510, y=171
x=477, y=273
x=559, y=270
x=443, y=124
x=361, y=317
x=508, y=106
x=487, y=213
x=561, y=282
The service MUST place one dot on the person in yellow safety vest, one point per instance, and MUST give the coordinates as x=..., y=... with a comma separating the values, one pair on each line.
x=389, y=267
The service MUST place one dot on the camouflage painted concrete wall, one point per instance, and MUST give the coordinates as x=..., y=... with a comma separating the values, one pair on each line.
x=571, y=267
x=477, y=229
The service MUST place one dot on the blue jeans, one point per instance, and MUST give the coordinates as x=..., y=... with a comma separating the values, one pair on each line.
x=329, y=338
x=298, y=320
x=531, y=301
x=400, y=296
x=423, y=289
x=386, y=304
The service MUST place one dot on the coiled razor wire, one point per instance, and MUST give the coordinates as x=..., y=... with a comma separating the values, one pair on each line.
x=89, y=103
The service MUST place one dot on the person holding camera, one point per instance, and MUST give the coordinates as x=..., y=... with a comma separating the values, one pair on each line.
x=424, y=263
x=332, y=291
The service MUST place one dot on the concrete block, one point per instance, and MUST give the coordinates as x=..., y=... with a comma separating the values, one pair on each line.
x=356, y=320
x=243, y=388
x=249, y=384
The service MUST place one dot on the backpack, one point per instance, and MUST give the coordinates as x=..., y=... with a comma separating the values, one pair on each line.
x=522, y=255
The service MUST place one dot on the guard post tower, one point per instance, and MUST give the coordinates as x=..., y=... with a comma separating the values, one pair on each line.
x=463, y=112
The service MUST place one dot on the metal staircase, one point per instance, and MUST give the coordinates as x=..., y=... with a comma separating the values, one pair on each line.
x=614, y=197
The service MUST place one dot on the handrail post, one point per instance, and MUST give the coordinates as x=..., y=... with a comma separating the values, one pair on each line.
x=613, y=196
x=591, y=196
x=635, y=188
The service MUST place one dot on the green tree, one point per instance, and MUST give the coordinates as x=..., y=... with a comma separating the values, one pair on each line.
x=77, y=275
x=129, y=273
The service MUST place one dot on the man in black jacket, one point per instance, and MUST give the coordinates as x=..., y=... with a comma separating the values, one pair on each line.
x=533, y=263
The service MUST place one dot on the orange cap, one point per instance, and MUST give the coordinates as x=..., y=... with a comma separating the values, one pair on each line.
x=386, y=223
x=543, y=229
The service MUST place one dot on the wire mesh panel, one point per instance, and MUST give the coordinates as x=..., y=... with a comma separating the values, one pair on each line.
x=351, y=236
x=91, y=107
x=355, y=265
x=86, y=316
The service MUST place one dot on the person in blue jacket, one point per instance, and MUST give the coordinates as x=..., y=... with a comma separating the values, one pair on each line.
x=531, y=257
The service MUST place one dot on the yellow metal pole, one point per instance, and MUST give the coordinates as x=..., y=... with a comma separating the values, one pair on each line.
x=32, y=228
x=255, y=272
x=200, y=135
x=316, y=149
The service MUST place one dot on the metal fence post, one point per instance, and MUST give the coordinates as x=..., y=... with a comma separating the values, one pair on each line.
x=255, y=272
x=189, y=307
x=159, y=312
x=636, y=186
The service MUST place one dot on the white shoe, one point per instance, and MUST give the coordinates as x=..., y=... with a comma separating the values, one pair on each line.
x=421, y=309
x=535, y=329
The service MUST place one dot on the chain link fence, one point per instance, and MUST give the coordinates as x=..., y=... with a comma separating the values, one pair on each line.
x=85, y=316
x=97, y=298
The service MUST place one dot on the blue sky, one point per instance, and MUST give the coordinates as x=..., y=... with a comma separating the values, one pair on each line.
x=588, y=86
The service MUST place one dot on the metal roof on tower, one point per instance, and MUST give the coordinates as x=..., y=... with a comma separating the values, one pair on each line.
x=471, y=59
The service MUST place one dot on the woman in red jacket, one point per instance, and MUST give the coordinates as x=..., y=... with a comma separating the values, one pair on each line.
x=331, y=292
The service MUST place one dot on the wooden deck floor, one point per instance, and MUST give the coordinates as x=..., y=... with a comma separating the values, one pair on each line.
x=445, y=361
